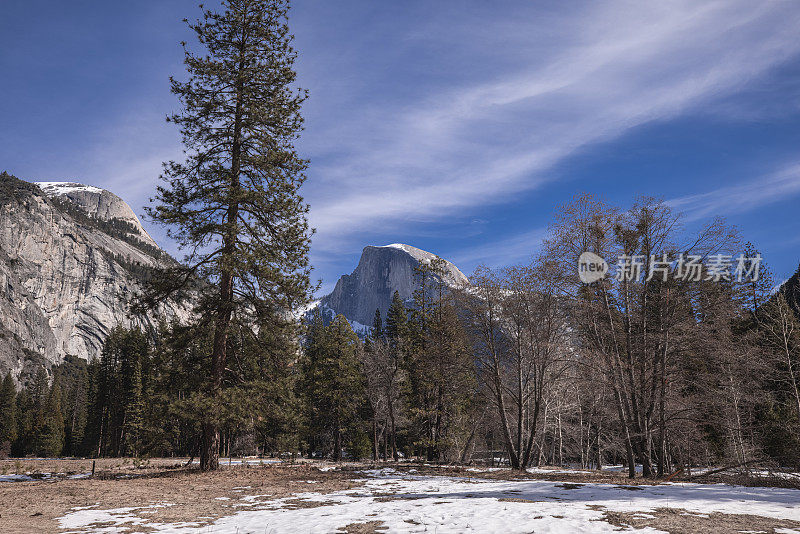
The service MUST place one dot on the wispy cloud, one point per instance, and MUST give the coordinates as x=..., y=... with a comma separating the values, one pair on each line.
x=502, y=252
x=428, y=113
x=743, y=197
x=615, y=67
x=724, y=201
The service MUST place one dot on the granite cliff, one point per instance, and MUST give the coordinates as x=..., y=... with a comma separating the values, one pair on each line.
x=380, y=272
x=70, y=257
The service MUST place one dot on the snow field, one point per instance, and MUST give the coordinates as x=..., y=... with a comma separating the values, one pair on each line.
x=405, y=502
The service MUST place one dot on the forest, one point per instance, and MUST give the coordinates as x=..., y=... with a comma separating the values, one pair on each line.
x=526, y=366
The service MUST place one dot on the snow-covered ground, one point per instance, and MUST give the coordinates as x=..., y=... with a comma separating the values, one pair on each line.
x=411, y=502
x=30, y=477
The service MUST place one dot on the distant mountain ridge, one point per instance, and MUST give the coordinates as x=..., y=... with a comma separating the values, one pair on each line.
x=70, y=257
x=380, y=272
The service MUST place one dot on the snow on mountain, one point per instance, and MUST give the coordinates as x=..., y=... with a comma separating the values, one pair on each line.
x=99, y=203
x=381, y=271
x=67, y=268
x=453, y=275
x=64, y=188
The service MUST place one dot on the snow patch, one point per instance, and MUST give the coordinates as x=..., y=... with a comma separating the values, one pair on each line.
x=401, y=246
x=15, y=478
x=64, y=188
x=454, y=276
x=358, y=328
x=406, y=502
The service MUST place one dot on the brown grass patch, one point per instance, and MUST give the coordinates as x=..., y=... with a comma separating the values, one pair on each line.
x=517, y=499
x=399, y=497
x=296, y=504
x=364, y=528
x=569, y=486
x=679, y=521
x=35, y=506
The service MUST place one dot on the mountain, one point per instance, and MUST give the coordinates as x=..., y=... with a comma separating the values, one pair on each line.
x=97, y=203
x=70, y=257
x=380, y=272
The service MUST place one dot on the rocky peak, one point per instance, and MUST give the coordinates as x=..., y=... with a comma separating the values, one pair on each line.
x=98, y=203
x=70, y=257
x=380, y=272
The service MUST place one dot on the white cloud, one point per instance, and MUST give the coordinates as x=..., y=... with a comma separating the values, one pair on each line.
x=535, y=86
x=606, y=71
x=724, y=201
x=743, y=197
x=519, y=248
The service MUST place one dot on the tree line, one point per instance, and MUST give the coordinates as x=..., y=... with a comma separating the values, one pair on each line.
x=661, y=371
x=526, y=366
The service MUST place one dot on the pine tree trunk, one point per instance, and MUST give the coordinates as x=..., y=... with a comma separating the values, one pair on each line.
x=209, y=455
x=209, y=452
x=225, y=308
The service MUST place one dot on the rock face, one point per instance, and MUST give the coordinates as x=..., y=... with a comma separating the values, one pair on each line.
x=380, y=272
x=97, y=203
x=70, y=258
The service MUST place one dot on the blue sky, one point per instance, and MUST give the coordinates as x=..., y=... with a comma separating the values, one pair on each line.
x=454, y=126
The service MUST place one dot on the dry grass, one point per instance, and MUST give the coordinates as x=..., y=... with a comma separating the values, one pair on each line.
x=201, y=498
x=678, y=521
x=364, y=528
x=34, y=506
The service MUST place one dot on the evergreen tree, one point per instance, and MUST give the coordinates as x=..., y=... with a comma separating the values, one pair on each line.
x=39, y=388
x=115, y=394
x=377, y=326
x=76, y=415
x=71, y=375
x=235, y=202
x=134, y=404
x=396, y=320
x=399, y=342
x=8, y=414
x=334, y=385
x=24, y=414
x=438, y=363
x=94, y=410
x=179, y=370
x=49, y=425
x=278, y=410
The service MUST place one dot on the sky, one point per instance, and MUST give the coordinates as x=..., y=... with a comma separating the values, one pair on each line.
x=458, y=127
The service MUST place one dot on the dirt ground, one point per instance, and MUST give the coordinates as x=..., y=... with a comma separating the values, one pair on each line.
x=678, y=521
x=34, y=506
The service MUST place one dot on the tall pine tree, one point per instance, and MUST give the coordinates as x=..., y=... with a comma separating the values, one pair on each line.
x=8, y=414
x=396, y=320
x=235, y=203
x=49, y=425
x=398, y=341
x=334, y=385
x=134, y=405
